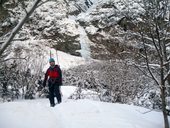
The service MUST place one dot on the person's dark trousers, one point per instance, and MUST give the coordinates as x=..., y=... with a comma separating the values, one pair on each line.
x=54, y=90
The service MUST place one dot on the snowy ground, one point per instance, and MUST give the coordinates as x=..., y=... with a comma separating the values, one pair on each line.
x=76, y=114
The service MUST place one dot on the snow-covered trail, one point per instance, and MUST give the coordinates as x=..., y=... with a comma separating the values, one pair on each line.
x=28, y=114
x=76, y=114
x=33, y=113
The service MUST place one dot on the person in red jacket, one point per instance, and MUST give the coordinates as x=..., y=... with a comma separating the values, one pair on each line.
x=54, y=76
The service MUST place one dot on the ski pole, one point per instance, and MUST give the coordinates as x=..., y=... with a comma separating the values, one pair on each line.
x=57, y=58
x=50, y=53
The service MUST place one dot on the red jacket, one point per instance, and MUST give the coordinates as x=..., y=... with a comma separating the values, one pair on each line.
x=54, y=76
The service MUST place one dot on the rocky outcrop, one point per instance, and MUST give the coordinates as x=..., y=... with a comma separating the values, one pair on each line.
x=57, y=25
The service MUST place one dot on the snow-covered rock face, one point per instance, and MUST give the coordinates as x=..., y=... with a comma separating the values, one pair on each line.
x=58, y=24
x=106, y=24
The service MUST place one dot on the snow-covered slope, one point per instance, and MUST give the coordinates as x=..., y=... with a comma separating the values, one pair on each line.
x=76, y=114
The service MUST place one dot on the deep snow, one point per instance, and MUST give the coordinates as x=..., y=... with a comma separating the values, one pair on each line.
x=76, y=114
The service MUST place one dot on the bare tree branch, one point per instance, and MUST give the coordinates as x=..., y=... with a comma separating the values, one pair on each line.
x=12, y=59
x=1, y=42
x=156, y=47
x=18, y=27
x=80, y=8
x=19, y=39
x=66, y=2
x=159, y=41
x=137, y=66
x=147, y=63
x=24, y=7
x=42, y=3
x=166, y=63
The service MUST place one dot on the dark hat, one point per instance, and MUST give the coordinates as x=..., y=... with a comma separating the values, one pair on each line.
x=51, y=60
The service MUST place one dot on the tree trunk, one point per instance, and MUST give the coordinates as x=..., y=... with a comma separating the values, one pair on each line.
x=163, y=95
x=166, y=123
x=168, y=88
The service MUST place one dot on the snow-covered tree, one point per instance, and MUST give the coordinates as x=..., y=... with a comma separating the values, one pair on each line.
x=114, y=81
x=154, y=27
